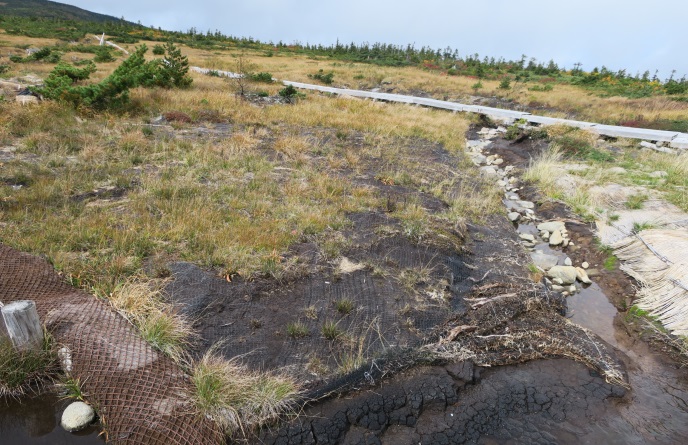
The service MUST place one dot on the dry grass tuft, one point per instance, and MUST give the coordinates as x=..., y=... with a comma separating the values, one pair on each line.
x=236, y=398
x=142, y=304
x=543, y=170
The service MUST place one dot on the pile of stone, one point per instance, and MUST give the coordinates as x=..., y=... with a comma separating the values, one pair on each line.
x=492, y=167
x=561, y=277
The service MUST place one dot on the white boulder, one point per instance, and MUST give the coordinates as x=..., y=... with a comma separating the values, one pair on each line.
x=77, y=416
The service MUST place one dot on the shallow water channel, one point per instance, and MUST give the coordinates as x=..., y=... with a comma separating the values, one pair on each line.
x=36, y=420
x=657, y=409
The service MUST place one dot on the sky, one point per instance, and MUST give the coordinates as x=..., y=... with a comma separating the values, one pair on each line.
x=620, y=34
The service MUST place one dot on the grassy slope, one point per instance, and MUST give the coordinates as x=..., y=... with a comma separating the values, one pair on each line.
x=245, y=215
x=48, y=9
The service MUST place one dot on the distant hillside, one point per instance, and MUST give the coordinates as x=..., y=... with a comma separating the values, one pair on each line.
x=53, y=10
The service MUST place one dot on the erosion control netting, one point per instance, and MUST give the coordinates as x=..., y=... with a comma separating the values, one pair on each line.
x=413, y=302
x=387, y=292
x=140, y=394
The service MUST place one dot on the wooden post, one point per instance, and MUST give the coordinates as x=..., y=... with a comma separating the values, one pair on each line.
x=23, y=325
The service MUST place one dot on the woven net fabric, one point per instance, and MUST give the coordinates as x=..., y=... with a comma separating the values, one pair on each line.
x=141, y=395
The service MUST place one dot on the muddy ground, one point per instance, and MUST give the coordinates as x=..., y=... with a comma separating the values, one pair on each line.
x=449, y=339
x=512, y=379
x=540, y=401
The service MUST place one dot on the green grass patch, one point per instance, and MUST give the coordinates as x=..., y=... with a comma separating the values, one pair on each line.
x=331, y=331
x=20, y=370
x=297, y=330
x=636, y=201
x=344, y=306
x=610, y=262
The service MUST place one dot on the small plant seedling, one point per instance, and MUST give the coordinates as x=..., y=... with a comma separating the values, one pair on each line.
x=311, y=312
x=635, y=202
x=610, y=262
x=344, y=306
x=331, y=331
x=297, y=330
x=640, y=226
x=71, y=389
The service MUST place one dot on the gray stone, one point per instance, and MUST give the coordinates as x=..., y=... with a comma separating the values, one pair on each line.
x=572, y=289
x=77, y=416
x=617, y=170
x=514, y=216
x=585, y=265
x=526, y=204
x=527, y=237
x=567, y=274
x=26, y=99
x=488, y=171
x=593, y=272
x=659, y=174
x=555, y=238
x=543, y=260
x=582, y=276
x=551, y=226
x=648, y=145
x=478, y=159
x=568, y=262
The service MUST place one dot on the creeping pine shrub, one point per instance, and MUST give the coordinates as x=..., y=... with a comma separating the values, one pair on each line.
x=4, y=69
x=159, y=50
x=505, y=84
x=45, y=54
x=173, y=70
x=135, y=71
x=326, y=78
x=103, y=55
x=75, y=74
x=261, y=77
x=289, y=93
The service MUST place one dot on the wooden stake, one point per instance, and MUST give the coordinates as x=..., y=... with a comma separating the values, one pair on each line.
x=23, y=325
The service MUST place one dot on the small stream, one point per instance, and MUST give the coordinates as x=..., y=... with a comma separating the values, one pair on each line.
x=36, y=421
x=658, y=407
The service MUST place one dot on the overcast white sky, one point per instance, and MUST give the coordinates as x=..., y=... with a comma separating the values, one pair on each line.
x=637, y=35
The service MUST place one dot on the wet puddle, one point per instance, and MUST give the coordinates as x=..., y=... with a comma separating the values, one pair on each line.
x=591, y=309
x=657, y=409
x=36, y=421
